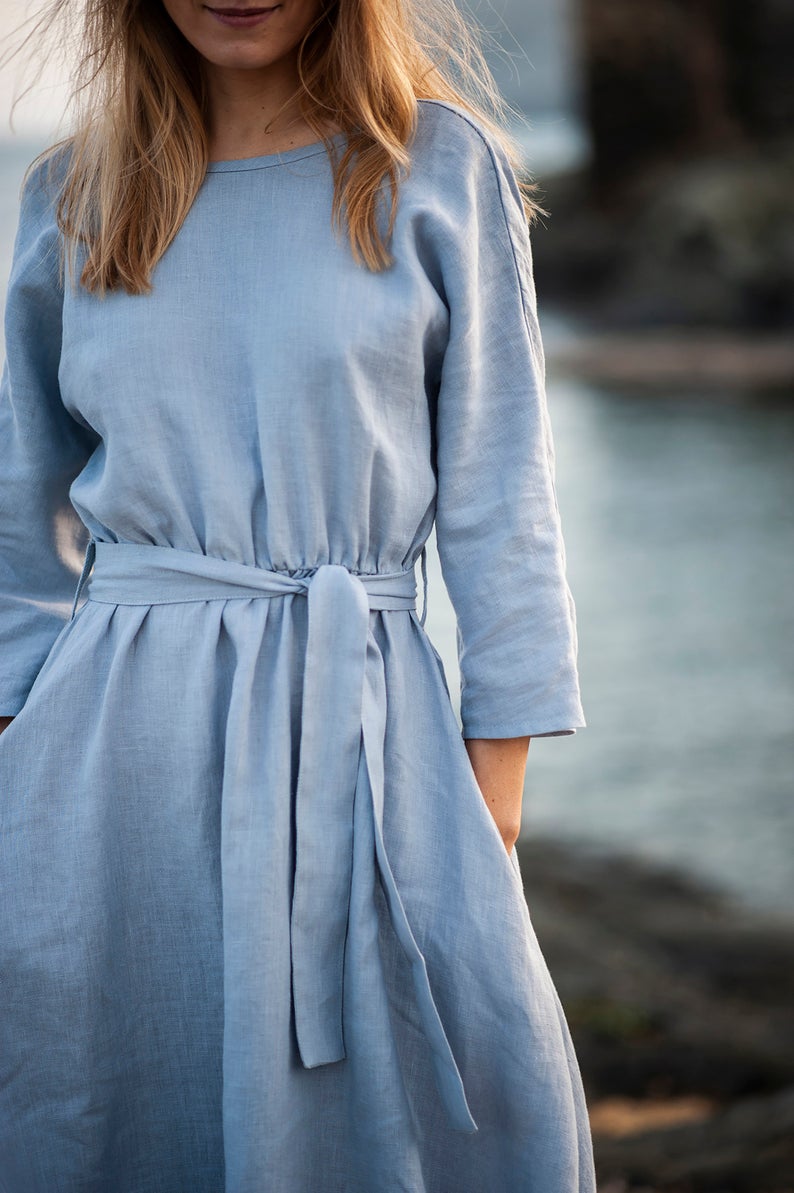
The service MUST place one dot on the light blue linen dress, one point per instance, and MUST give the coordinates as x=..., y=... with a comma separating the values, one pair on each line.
x=259, y=932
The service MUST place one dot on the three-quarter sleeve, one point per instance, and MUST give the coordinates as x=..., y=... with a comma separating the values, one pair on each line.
x=42, y=449
x=497, y=519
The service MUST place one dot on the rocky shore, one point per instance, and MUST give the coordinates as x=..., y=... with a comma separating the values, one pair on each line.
x=705, y=243
x=681, y=1005
x=713, y=363
x=681, y=217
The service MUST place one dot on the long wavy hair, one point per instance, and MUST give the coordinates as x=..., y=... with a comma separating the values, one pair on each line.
x=139, y=148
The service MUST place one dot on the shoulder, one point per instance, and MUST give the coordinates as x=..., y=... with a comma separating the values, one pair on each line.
x=441, y=116
x=441, y=122
x=456, y=155
x=43, y=182
x=37, y=242
x=451, y=136
x=463, y=175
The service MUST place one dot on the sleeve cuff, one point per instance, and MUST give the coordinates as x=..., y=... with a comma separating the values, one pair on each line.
x=472, y=727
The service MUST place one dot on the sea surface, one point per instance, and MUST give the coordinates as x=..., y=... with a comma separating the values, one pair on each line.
x=678, y=518
x=678, y=512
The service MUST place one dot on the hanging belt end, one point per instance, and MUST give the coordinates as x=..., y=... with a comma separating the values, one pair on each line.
x=88, y=563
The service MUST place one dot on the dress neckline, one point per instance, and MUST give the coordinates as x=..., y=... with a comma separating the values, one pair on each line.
x=263, y=160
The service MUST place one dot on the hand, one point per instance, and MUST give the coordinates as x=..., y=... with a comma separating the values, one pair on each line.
x=499, y=766
x=508, y=841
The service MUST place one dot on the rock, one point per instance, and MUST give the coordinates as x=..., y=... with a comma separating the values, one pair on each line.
x=681, y=1005
x=711, y=241
x=683, y=215
x=669, y=989
x=746, y=1148
x=655, y=82
x=703, y=243
x=676, y=77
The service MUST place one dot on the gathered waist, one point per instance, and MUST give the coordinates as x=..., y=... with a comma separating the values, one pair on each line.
x=139, y=574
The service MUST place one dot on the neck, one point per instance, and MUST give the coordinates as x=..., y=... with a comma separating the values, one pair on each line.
x=253, y=110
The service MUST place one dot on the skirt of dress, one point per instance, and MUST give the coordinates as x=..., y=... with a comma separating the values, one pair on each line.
x=147, y=855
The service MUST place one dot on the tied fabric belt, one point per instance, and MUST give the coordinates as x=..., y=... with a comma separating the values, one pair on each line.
x=343, y=714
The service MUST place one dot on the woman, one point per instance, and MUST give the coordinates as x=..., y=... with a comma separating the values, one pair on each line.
x=263, y=924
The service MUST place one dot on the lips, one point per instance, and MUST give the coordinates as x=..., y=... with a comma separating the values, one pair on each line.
x=242, y=18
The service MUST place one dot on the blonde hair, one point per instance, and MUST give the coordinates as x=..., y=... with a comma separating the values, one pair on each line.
x=139, y=151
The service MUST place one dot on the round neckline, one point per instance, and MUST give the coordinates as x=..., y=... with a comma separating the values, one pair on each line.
x=262, y=160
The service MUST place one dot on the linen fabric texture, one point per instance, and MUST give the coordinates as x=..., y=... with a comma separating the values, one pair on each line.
x=259, y=931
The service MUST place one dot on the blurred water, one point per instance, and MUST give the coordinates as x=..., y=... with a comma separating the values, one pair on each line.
x=678, y=518
x=678, y=514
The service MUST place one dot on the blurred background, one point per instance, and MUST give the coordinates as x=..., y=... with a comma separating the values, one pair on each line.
x=658, y=844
